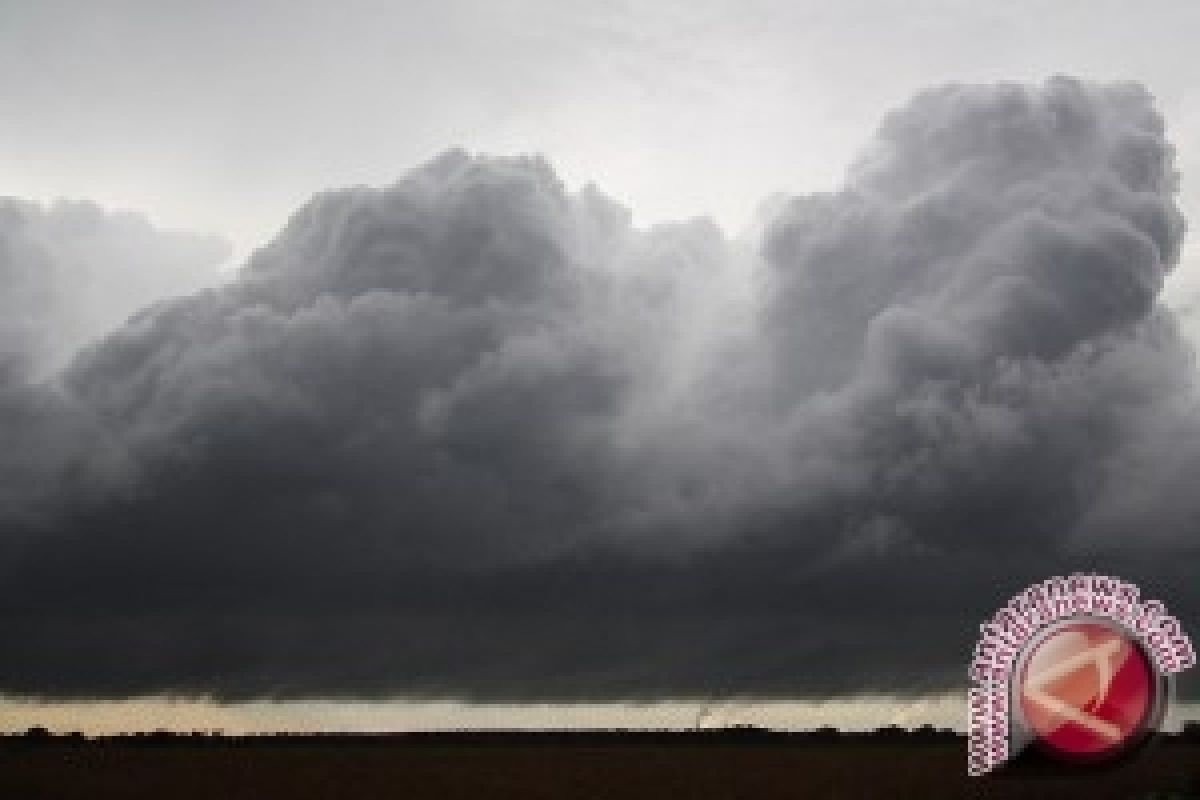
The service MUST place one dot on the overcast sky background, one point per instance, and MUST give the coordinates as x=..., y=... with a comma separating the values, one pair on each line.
x=226, y=117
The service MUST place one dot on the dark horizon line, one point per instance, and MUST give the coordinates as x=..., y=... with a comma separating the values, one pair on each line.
x=1190, y=731
x=41, y=732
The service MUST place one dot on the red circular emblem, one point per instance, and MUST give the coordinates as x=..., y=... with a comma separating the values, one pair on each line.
x=1087, y=690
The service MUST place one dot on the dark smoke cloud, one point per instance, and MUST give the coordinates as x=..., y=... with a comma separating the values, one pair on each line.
x=69, y=273
x=72, y=272
x=473, y=435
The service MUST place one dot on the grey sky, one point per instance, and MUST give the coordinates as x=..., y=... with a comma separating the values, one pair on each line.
x=227, y=115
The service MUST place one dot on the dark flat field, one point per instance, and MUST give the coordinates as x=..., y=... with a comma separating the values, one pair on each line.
x=679, y=766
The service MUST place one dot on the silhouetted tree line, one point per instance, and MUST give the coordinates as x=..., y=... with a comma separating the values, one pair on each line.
x=736, y=733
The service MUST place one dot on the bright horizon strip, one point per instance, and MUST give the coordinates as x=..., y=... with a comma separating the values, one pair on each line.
x=98, y=718
x=102, y=717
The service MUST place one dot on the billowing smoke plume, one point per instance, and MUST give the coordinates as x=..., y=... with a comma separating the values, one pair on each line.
x=72, y=272
x=473, y=435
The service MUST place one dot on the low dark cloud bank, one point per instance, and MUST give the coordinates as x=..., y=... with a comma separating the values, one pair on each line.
x=472, y=435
